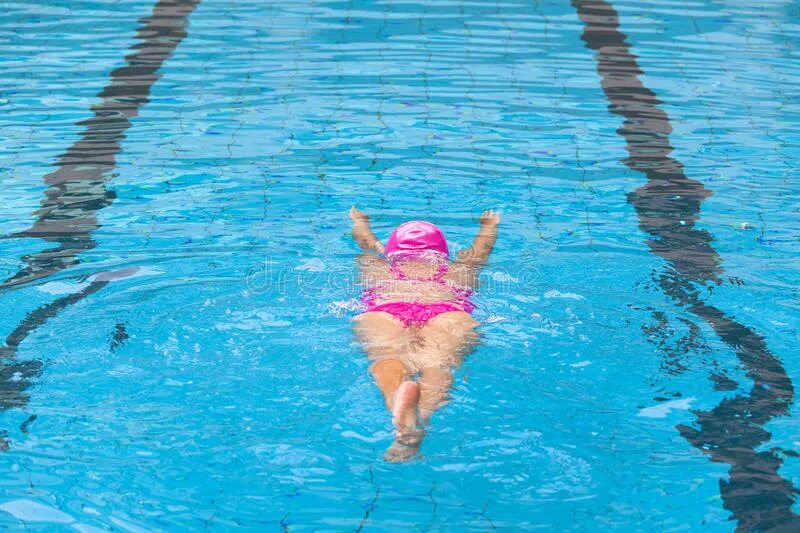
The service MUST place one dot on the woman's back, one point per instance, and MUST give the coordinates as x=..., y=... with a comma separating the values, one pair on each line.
x=418, y=281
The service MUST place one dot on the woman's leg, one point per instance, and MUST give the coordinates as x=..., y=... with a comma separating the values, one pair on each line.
x=442, y=344
x=387, y=343
x=437, y=348
x=434, y=383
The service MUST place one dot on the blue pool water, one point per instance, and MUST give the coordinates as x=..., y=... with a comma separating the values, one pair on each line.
x=180, y=279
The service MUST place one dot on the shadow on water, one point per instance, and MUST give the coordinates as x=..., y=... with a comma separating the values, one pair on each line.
x=668, y=206
x=77, y=188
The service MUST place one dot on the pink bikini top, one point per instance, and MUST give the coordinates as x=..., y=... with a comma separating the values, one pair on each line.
x=460, y=294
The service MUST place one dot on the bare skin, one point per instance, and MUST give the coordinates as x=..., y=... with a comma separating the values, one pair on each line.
x=435, y=347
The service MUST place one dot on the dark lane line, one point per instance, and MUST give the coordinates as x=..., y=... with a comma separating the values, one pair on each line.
x=668, y=206
x=17, y=376
x=77, y=188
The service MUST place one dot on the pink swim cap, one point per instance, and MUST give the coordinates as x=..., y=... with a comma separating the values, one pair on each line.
x=415, y=237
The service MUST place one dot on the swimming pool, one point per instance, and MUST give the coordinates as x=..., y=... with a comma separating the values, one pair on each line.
x=179, y=278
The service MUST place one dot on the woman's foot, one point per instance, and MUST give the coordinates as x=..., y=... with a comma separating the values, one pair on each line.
x=404, y=407
x=404, y=447
x=406, y=421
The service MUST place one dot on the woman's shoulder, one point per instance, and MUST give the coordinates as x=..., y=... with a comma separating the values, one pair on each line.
x=374, y=269
x=372, y=260
x=461, y=274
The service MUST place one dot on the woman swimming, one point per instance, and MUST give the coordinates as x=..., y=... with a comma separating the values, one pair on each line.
x=417, y=320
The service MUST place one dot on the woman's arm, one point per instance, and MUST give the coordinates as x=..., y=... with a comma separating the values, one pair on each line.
x=477, y=254
x=362, y=233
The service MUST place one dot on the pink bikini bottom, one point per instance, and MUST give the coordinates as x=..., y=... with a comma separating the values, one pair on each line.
x=417, y=314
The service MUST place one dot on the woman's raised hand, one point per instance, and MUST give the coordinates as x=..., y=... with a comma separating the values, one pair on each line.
x=490, y=218
x=356, y=215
